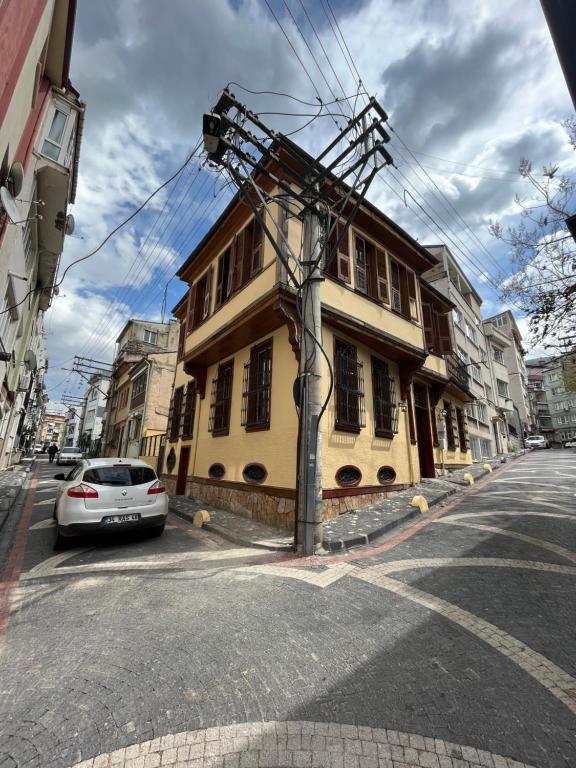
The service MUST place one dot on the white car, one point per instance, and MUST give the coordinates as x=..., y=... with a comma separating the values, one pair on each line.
x=69, y=455
x=107, y=495
x=570, y=444
x=536, y=441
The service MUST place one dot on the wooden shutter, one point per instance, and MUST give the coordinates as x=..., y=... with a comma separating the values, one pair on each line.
x=343, y=257
x=219, y=282
x=257, y=248
x=404, y=294
x=381, y=276
x=247, y=254
x=445, y=334
x=181, y=338
x=207, y=293
x=412, y=295
x=427, y=321
x=236, y=268
x=191, y=307
x=361, y=265
x=395, y=279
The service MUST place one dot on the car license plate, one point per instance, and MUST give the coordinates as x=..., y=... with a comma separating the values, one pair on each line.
x=120, y=519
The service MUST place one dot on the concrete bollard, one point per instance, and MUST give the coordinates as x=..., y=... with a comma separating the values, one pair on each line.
x=201, y=517
x=420, y=502
x=469, y=479
x=488, y=467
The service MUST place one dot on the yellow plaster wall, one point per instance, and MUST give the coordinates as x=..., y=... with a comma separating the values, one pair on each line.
x=235, y=305
x=274, y=448
x=336, y=295
x=365, y=450
x=436, y=364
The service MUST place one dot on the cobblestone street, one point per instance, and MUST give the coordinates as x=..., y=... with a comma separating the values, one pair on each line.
x=449, y=643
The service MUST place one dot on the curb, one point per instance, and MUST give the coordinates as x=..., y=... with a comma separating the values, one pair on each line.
x=5, y=513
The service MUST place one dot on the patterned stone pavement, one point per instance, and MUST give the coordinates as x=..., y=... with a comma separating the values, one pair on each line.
x=447, y=644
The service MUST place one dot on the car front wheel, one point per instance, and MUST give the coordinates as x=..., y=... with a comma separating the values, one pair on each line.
x=158, y=530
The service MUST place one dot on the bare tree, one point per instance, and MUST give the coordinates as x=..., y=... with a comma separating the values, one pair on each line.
x=543, y=284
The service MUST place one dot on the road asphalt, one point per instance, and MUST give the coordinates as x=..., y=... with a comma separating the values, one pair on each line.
x=448, y=643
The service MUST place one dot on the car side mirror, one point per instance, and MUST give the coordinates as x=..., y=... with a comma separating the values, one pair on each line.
x=61, y=476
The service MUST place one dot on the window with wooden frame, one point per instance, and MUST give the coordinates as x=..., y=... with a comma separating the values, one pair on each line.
x=175, y=415
x=225, y=275
x=199, y=300
x=349, y=388
x=449, y=421
x=437, y=330
x=219, y=423
x=181, y=339
x=189, y=411
x=337, y=253
x=404, y=294
x=371, y=269
x=384, y=396
x=462, y=430
x=257, y=385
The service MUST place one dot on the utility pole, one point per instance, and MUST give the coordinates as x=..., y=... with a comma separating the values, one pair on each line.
x=310, y=437
x=251, y=152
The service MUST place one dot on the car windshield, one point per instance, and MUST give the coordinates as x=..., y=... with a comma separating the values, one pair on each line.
x=71, y=450
x=123, y=475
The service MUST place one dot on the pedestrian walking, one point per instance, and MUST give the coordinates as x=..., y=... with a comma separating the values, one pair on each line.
x=52, y=451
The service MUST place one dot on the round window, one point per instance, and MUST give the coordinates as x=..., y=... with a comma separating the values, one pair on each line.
x=216, y=471
x=348, y=476
x=254, y=473
x=386, y=475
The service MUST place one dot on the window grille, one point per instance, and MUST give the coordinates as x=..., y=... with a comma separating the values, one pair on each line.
x=349, y=388
x=219, y=421
x=384, y=394
x=176, y=414
x=256, y=388
x=189, y=411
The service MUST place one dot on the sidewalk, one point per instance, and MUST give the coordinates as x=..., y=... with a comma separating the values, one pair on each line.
x=345, y=531
x=11, y=481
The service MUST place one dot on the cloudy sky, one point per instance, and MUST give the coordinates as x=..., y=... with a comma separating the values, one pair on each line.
x=470, y=87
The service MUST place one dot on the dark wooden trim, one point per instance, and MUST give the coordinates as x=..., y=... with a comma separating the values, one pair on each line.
x=352, y=428
x=451, y=465
x=384, y=433
x=360, y=490
x=269, y=490
x=258, y=428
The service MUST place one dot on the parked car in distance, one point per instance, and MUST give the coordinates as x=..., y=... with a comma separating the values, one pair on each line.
x=38, y=448
x=69, y=455
x=536, y=441
x=570, y=444
x=107, y=495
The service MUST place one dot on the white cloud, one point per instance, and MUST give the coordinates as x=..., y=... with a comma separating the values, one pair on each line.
x=475, y=82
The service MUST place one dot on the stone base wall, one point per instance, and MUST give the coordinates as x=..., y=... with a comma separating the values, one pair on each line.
x=339, y=505
x=265, y=506
x=254, y=505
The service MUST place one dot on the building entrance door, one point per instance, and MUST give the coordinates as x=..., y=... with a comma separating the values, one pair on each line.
x=182, y=471
x=424, y=432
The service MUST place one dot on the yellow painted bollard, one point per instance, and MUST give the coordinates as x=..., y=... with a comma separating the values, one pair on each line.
x=420, y=502
x=469, y=479
x=488, y=467
x=201, y=517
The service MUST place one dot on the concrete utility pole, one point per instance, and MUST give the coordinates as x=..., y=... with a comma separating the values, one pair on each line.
x=310, y=437
x=306, y=182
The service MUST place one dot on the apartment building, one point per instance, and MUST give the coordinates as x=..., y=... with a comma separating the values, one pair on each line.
x=93, y=412
x=479, y=349
x=395, y=415
x=40, y=130
x=141, y=384
x=72, y=427
x=538, y=395
x=53, y=426
x=517, y=374
x=561, y=400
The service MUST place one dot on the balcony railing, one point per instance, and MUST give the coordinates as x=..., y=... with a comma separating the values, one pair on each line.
x=458, y=372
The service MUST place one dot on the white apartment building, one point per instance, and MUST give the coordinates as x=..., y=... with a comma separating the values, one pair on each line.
x=486, y=411
x=94, y=410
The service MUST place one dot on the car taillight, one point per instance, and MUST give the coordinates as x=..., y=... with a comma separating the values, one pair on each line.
x=156, y=488
x=82, y=491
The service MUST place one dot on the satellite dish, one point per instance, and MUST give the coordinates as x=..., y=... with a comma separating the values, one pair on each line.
x=16, y=177
x=56, y=290
x=9, y=205
x=70, y=224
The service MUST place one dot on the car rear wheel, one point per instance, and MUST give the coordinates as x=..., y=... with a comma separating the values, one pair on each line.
x=158, y=530
x=60, y=542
